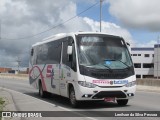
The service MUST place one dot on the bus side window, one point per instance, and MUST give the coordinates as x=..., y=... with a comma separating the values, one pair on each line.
x=65, y=56
x=71, y=63
x=73, y=56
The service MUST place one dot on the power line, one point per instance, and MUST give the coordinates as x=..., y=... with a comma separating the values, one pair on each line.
x=53, y=26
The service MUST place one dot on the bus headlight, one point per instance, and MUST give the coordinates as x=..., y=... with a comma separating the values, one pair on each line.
x=86, y=84
x=130, y=84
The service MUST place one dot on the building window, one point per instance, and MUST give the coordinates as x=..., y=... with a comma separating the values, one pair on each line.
x=134, y=55
x=148, y=65
x=138, y=76
x=152, y=55
x=137, y=65
x=139, y=54
x=148, y=76
x=146, y=55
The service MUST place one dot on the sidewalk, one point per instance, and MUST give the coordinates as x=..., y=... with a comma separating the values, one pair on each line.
x=148, y=88
x=9, y=103
x=16, y=101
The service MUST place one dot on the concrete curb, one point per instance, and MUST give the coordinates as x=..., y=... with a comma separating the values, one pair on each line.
x=148, y=88
x=8, y=76
x=148, y=82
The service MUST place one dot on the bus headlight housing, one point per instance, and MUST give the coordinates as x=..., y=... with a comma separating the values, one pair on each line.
x=86, y=84
x=130, y=84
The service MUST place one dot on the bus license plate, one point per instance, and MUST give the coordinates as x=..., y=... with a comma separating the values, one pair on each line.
x=109, y=99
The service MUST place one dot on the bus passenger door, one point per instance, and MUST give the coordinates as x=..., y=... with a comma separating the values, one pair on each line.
x=66, y=70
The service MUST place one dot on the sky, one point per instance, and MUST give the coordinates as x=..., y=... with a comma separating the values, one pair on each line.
x=137, y=21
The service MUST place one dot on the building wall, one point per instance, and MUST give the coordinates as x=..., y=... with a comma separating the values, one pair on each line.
x=143, y=59
x=157, y=60
x=5, y=70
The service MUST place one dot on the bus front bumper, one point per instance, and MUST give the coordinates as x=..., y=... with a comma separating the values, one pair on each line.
x=84, y=93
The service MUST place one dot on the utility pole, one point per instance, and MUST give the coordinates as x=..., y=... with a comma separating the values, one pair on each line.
x=18, y=61
x=158, y=57
x=101, y=14
x=0, y=29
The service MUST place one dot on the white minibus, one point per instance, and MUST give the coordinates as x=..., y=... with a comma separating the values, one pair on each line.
x=83, y=66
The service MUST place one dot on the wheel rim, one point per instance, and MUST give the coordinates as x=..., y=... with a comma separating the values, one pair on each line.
x=72, y=98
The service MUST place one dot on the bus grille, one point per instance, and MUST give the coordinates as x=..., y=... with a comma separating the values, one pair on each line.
x=111, y=75
x=105, y=94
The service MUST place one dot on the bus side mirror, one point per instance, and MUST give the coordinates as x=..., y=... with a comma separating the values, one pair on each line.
x=69, y=50
x=127, y=44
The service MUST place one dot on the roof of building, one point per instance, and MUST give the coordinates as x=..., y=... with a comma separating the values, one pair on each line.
x=142, y=49
x=156, y=45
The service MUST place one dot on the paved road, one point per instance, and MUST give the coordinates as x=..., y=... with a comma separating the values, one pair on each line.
x=143, y=101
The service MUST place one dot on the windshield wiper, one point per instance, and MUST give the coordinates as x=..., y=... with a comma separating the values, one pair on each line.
x=117, y=60
x=124, y=63
x=108, y=68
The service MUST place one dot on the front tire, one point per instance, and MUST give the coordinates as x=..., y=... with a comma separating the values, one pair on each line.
x=72, y=97
x=122, y=102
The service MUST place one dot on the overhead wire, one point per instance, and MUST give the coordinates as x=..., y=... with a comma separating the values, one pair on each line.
x=53, y=27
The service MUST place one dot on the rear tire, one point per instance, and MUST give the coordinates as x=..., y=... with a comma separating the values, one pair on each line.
x=42, y=93
x=122, y=102
x=72, y=97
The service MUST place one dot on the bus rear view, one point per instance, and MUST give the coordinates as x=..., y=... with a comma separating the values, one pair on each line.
x=90, y=66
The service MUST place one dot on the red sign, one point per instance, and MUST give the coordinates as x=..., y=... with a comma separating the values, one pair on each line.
x=49, y=71
x=101, y=81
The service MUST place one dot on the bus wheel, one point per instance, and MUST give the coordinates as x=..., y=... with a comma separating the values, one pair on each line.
x=122, y=102
x=72, y=97
x=42, y=93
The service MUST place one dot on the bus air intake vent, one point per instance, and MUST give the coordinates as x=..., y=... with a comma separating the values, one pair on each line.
x=105, y=94
x=111, y=75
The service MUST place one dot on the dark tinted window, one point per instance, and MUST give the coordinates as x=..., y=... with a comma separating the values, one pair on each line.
x=137, y=65
x=148, y=65
x=48, y=53
x=146, y=55
x=65, y=56
x=42, y=54
x=54, y=52
x=134, y=54
x=138, y=76
x=34, y=57
x=72, y=64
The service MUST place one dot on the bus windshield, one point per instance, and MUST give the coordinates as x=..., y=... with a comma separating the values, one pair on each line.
x=103, y=52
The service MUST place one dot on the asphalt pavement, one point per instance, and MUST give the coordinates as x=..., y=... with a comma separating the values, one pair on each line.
x=22, y=97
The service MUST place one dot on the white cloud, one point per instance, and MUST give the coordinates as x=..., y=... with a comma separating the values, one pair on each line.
x=28, y=17
x=137, y=13
x=110, y=28
x=151, y=43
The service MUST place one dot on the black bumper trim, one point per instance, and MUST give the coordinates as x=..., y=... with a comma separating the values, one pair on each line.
x=105, y=94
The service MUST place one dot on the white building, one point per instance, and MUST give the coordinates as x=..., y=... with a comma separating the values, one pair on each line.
x=157, y=60
x=143, y=59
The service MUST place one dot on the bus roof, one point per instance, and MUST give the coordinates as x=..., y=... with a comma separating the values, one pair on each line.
x=62, y=35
